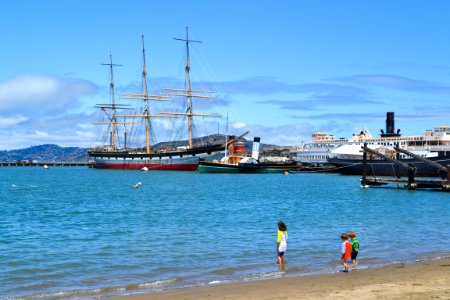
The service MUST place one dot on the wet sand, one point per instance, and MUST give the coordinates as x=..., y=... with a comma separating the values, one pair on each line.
x=424, y=280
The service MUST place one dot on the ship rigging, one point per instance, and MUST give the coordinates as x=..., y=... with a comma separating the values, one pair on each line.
x=173, y=158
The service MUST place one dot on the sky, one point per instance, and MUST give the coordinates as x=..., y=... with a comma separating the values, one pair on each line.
x=281, y=69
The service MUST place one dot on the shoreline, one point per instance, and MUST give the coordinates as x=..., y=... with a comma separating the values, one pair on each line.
x=426, y=279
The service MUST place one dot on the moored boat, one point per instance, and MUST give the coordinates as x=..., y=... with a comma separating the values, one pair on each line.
x=184, y=157
x=238, y=162
x=434, y=146
x=380, y=167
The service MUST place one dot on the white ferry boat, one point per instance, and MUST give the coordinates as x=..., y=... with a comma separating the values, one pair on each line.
x=433, y=145
x=325, y=148
x=322, y=144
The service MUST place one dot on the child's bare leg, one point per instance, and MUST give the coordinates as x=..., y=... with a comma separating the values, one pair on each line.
x=344, y=263
x=281, y=262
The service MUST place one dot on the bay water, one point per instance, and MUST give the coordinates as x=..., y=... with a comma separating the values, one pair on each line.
x=74, y=232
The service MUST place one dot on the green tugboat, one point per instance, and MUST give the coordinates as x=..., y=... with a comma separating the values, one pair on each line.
x=238, y=162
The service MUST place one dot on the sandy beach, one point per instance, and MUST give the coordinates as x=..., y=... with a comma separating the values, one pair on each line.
x=423, y=280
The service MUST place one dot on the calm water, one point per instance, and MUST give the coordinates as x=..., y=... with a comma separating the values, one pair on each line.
x=84, y=233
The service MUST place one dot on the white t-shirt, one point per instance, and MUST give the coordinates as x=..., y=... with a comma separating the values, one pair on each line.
x=282, y=239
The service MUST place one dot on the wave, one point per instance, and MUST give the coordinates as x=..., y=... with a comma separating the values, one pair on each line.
x=176, y=283
x=236, y=269
x=158, y=283
x=263, y=276
x=17, y=187
x=102, y=292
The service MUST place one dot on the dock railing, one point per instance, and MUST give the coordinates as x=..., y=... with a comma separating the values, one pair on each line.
x=411, y=183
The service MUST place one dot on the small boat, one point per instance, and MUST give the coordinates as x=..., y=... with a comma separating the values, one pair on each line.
x=239, y=162
x=45, y=167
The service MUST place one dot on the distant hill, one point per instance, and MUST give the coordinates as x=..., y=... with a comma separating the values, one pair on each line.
x=55, y=153
x=46, y=153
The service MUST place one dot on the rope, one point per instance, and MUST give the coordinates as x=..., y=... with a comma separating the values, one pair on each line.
x=393, y=170
x=373, y=171
x=338, y=168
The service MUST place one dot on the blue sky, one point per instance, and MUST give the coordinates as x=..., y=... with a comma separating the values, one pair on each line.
x=281, y=69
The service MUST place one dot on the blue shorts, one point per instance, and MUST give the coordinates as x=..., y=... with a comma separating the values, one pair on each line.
x=280, y=253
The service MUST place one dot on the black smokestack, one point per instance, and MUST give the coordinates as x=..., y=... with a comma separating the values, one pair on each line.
x=390, y=122
x=390, y=126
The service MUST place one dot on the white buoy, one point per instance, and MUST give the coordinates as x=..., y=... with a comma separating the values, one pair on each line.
x=45, y=167
x=145, y=169
x=137, y=185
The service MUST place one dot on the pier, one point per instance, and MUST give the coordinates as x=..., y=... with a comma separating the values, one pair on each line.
x=418, y=184
x=42, y=164
x=411, y=183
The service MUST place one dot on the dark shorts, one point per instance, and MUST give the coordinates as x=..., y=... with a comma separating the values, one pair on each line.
x=354, y=255
x=280, y=253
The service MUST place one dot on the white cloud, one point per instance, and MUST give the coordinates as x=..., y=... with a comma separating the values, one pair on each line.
x=284, y=135
x=9, y=121
x=39, y=134
x=164, y=123
x=41, y=94
x=89, y=135
x=239, y=125
x=24, y=138
x=41, y=109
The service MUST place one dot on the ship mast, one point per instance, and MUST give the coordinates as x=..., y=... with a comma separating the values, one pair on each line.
x=113, y=107
x=146, y=113
x=188, y=91
x=226, y=139
x=146, y=97
x=188, y=85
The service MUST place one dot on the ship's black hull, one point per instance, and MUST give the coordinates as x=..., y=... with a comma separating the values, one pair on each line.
x=378, y=167
x=185, y=160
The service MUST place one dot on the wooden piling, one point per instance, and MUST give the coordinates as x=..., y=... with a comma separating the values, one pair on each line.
x=446, y=185
x=411, y=183
x=364, y=174
x=448, y=173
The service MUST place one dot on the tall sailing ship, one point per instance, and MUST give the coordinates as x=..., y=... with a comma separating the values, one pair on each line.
x=176, y=157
